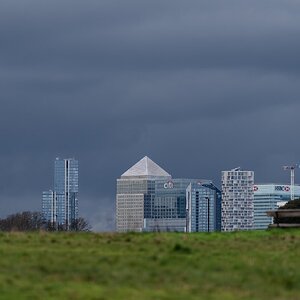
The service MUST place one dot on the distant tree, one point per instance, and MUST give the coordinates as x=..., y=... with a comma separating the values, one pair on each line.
x=80, y=224
x=24, y=221
x=31, y=221
x=53, y=226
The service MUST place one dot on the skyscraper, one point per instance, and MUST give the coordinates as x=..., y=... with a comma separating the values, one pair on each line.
x=60, y=205
x=167, y=210
x=135, y=190
x=237, y=200
x=203, y=207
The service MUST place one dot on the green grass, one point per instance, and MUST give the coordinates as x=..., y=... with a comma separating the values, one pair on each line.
x=240, y=265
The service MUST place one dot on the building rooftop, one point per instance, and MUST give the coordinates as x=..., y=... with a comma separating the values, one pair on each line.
x=276, y=183
x=145, y=168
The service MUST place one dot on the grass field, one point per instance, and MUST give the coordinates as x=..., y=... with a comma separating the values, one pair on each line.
x=241, y=265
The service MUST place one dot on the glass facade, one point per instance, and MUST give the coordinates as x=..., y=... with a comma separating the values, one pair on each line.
x=61, y=205
x=48, y=206
x=266, y=197
x=203, y=206
x=166, y=211
x=148, y=199
x=169, y=209
x=169, y=200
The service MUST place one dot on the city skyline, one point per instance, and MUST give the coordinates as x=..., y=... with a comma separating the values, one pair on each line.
x=199, y=87
x=260, y=201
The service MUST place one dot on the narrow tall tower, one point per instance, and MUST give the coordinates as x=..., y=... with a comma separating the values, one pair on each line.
x=60, y=205
x=237, y=200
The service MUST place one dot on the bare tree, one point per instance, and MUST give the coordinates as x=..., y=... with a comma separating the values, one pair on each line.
x=80, y=224
x=24, y=221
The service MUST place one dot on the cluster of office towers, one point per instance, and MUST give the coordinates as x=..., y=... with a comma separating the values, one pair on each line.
x=149, y=199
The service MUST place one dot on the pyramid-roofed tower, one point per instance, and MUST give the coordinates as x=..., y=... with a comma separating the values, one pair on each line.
x=146, y=168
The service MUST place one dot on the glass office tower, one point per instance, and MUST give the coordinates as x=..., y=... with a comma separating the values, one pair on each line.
x=267, y=197
x=203, y=207
x=60, y=206
x=167, y=209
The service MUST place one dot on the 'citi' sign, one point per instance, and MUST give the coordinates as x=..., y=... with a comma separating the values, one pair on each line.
x=169, y=185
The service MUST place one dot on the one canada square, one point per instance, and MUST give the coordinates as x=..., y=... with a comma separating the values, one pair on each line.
x=60, y=205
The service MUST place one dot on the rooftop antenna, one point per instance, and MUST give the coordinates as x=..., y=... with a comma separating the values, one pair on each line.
x=236, y=169
x=292, y=169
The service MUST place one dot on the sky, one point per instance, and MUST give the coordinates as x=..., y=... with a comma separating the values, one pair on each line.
x=198, y=86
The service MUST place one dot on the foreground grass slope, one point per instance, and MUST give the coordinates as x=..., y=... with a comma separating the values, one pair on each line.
x=241, y=265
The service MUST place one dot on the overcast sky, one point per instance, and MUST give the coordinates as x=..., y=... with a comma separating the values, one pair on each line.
x=198, y=86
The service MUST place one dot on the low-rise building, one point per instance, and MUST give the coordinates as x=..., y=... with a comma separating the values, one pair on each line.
x=269, y=197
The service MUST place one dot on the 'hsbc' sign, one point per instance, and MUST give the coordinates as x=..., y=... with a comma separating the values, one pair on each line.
x=279, y=188
x=282, y=188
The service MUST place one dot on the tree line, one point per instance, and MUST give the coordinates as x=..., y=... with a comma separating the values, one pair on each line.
x=34, y=221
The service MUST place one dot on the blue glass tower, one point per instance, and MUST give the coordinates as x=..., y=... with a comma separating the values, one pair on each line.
x=60, y=206
x=166, y=211
x=203, y=206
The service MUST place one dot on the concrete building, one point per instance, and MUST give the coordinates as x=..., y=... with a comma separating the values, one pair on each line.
x=60, y=205
x=237, y=200
x=269, y=197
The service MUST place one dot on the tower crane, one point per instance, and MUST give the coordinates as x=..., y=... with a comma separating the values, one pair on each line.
x=292, y=169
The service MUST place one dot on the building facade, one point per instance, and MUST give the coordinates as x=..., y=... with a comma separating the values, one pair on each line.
x=167, y=209
x=148, y=199
x=267, y=197
x=237, y=200
x=203, y=207
x=135, y=192
x=60, y=205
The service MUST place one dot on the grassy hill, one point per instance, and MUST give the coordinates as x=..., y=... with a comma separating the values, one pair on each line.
x=241, y=265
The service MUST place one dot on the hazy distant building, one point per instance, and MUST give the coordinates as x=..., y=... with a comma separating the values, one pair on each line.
x=237, y=200
x=60, y=205
x=267, y=197
x=203, y=207
x=135, y=191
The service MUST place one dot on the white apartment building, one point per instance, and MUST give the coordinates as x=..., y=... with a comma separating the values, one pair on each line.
x=237, y=200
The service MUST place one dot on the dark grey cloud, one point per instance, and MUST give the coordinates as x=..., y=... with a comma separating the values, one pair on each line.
x=199, y=86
